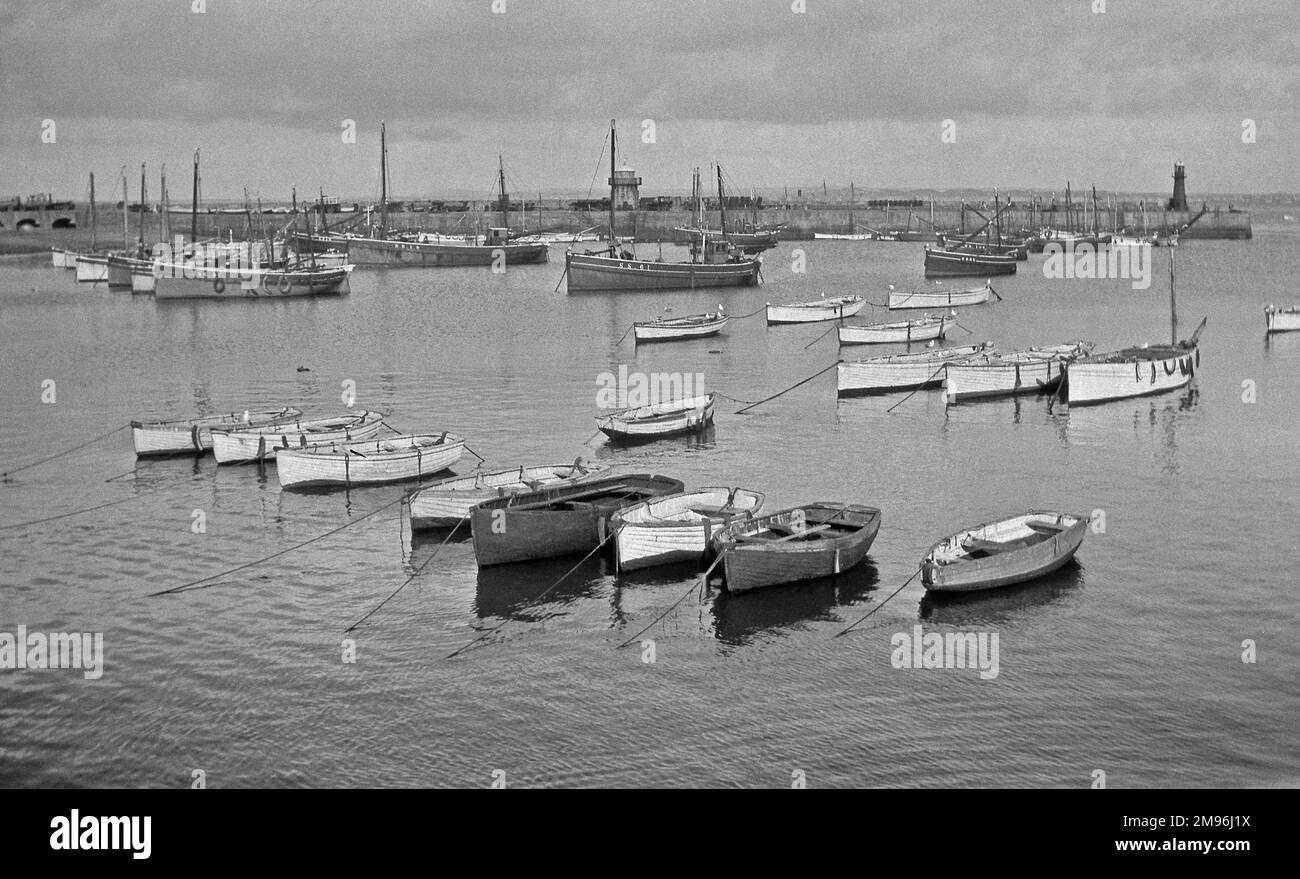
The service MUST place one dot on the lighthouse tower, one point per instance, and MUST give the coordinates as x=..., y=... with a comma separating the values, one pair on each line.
x=626, y=187
x=1179, y=201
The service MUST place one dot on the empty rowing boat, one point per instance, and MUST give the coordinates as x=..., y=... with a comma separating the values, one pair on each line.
x=1004, y=552
x=236, y=445
x=902, y=372
x=1281, y=320
x=658, y=420
x=558, y=520
x=1131, y=372
x=907, y=331
x=834, y=308
x=899, y=299
x=368, y=462
x=194, y=435
x=690, y=327
x=1033, y=371
x=802, y=543
x=677, y=527
x=447, y=502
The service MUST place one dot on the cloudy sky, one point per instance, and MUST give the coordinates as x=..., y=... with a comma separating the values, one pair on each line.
x=1038, y=90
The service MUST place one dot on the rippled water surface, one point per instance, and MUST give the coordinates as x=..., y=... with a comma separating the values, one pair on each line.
x=1129, y=661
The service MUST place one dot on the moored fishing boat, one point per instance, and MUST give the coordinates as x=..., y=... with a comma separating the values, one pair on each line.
x=368, y=462
x=957, y=244
x=957, y=264
x=689, y=327
x=1033, y=371
x=1001, y=553
x=904, y=299
x=558, y=520
x=194, y=435
x=677, y=527
x=447, y=502
x=92, y=268
x=236, y=445
x=801, y=543
x=902, y=372
x=188, y=281
x=658, y=420
x=834, y=308
x=920, y=330
x=1281, y=320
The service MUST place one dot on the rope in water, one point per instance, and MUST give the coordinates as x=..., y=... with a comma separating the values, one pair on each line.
x=915, y=389
x=184, y=587
x=408, y=580
x=787, y=390
x=5, y=475
x=704, y=579
x=845, y=631
x=80, y=512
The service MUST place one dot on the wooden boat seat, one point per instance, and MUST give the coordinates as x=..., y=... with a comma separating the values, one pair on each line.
x=974, y=545
x=706, y=510
x=815, y=531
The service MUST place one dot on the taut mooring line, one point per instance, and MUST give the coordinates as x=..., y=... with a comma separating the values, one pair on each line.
x=914, y=390
x=4, y=477
x=408, y=580
x=851, y=626
x=787, y=390
x=699, y=584
x=184, y=587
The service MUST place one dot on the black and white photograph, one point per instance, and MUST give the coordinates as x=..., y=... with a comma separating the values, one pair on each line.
x=685, y=394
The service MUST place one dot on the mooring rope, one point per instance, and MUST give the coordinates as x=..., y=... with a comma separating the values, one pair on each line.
x=845, y=631
x=538, y=598
x=704, y=579
x=914, y=390
x=624, y=336
x=822, y=336
x=408, y=580
x=80, y=512
x=4, y=477
x=184, y=587
x=787, y=390
x=731, y=398
x=743, y=316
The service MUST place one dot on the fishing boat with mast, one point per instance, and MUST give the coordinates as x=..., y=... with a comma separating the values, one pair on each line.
x=749, y=241
x=92, y=266
x=1138, y=371
x=383, y=248
x=718, y=264
x=853, y=234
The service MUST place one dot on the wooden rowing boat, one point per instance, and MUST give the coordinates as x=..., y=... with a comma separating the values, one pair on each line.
x=908, y=331
x=1131, y=372
x=899, y=299
x=658, y=420
x=1281, y=320
x=822, y=309
x=368, y=462
x=447, y=502
x=902, y=372
x=677, y=527
x=802, y=543
x=238, y=445
x=1004, y=552
x=1033, y=371
x=173, y=281
x=958, y=264
x=558, y=520
x=92, y=268
x=194, y=435
x=690, y=327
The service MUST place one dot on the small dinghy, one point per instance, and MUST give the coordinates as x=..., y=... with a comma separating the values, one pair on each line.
x=194, y=435
x=447, y=502
x=816, y=310
x=907, y=331
x=1033, y=371
x=693, y=326
x=902, y=372
x=368, y=462
x=902, y=299
x=1004, y=552
x=237, y=445
x=658, y=420
x=802, y=543
x=677, y=527
x=1282, y=320
x=558, y=520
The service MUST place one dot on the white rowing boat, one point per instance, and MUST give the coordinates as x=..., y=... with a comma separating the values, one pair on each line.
x=900, y=299
x=447, y=502
x=1000, y=553
x=194, y=435
x=834, y=308
x=1282, y=320
x=236, y=445
x=368, y=462
x=908, y=331
x=657, y=420
x=1033, y=371
x=677, y=527
x=688, y=327
x=902, y=372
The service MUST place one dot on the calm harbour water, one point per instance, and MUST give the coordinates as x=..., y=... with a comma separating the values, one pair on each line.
x=1129, y=662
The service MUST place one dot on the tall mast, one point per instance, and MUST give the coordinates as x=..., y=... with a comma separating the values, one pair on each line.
x=1173, y=305
x=166, y=221
x=853, y=227
x=92, y=212
x=1096, y=223
x=126, y=213
x=505, y=205
x=613, y=146
x=194, y=202
x=383, y=177
x=722, y=206
x=141, y=242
